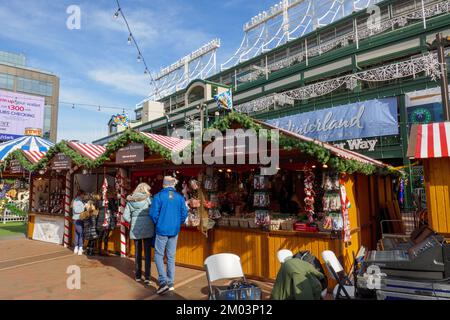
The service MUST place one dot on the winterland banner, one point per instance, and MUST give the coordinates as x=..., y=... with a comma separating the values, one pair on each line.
x=373, y=118
x=19, y=111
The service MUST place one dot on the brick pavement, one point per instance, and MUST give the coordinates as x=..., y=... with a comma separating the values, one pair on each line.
x=37, y=270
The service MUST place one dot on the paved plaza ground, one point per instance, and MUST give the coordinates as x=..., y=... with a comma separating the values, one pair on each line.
x=36, y=270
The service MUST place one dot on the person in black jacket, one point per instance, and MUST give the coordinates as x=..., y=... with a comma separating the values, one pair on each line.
x=90, y=227
x=106, y=223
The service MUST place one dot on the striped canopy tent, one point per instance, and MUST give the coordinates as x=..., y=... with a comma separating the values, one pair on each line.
x=428, y=141
x=32, y=145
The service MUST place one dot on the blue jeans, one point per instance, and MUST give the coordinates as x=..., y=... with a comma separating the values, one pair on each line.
x=168, y=245
x=79, y=225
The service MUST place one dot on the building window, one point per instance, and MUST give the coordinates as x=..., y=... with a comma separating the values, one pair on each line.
x=6, y=81
x=34, y=86
x=12, y=58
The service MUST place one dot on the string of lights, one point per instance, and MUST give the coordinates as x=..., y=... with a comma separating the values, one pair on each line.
x=73, y=105
x=132, y=40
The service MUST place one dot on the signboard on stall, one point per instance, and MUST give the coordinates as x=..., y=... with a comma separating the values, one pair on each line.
x=19, y=111
x=61, y=162
x=372, y=118
x=133, y=153
x=358, y=144
x=15, y=166
x=48, y=229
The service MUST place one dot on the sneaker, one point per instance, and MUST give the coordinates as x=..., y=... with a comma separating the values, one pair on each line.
x=80, y=251
x=147, y=282
x=162, y=289
x=75, y=251
x=171, y=288
x=138, y=279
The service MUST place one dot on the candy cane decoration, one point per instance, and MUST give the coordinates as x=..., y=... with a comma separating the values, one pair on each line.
x=67, y=207
x=122, y=200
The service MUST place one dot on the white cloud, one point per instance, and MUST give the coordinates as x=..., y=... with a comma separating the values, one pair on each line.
x=124, y=80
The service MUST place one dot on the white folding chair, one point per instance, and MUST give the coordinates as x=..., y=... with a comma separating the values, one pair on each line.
x=284, y=254
x=337, y=272
x=222, y=266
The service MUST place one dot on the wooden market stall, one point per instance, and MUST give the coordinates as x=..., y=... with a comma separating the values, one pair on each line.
x=14, y=198
x=321, y=197
x=235, y=230
x=52, y=191
x=430, y=143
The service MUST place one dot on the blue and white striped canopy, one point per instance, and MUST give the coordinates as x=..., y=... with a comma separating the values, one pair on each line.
x=26, y=143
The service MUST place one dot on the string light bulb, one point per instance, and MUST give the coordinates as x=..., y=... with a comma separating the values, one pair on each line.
x=129, y=39
x=116, y=14
x=98, y=108
x=73, y=105
x=139, y=58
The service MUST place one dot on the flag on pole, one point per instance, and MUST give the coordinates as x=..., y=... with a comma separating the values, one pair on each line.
x=121, y=119
x=224, y=100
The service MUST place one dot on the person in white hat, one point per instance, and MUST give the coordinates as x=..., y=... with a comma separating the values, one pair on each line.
x=168, y=212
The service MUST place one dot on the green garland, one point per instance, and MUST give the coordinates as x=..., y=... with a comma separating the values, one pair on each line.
x=16, y=155
x=316, y=151
x=312, y=149
x=129, y=136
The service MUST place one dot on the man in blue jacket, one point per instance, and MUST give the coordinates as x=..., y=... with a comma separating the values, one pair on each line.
x=168, y=212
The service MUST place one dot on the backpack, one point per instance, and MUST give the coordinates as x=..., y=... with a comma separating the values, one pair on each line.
x=310, y=258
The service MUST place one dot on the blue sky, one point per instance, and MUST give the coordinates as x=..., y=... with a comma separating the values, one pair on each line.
x=97, y=66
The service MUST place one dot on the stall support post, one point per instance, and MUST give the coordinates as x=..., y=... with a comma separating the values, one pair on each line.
x=67, y=206
x=123, y=239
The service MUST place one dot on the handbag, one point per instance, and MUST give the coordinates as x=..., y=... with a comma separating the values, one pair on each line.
x=84, y=215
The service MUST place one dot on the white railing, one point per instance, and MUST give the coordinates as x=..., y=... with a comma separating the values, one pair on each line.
x=356, y=35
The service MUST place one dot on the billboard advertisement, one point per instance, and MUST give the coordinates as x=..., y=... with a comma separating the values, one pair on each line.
x=372, y=118
x=19, y=111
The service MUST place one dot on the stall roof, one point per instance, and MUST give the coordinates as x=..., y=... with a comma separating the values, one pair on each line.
x=89, y=150
x=25, y=143
x=428, y=141
x=170, y=143
x=34, y=156
x=339, y=152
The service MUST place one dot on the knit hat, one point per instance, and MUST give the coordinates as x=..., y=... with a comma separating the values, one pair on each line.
x=169, y=182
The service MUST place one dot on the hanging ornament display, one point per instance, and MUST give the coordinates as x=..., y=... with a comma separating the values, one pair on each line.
x=105, y=203
x=309, y=194
x=345, y=203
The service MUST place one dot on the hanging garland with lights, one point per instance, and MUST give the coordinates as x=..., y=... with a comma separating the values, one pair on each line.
x=16, y=155
x=312, y=149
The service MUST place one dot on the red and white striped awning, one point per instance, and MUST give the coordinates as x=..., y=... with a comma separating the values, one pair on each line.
x=33, y=156
x=428, y=141
x=170, y=143
x=90, y=151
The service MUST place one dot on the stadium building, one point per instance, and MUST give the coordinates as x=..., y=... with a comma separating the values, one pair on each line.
x=353, y=73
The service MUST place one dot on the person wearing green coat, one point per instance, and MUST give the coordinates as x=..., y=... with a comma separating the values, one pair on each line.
x=297, y=280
